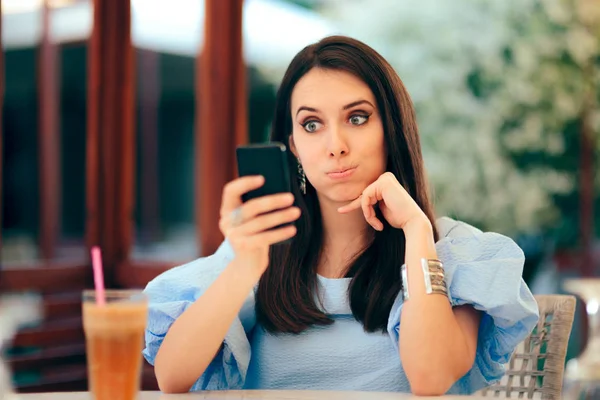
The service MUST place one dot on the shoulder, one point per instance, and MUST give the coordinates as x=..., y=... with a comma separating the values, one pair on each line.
x=457, y=238
x=194, y=274
x=451, y=228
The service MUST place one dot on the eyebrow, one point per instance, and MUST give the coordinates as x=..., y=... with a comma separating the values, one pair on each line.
x=346, y=107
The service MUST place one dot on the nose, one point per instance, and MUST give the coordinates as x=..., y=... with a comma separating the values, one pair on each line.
x=338, y=146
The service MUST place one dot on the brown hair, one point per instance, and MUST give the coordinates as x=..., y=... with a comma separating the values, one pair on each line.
x=285, y=298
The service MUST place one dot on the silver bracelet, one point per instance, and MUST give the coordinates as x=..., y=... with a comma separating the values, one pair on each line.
x=433, y=274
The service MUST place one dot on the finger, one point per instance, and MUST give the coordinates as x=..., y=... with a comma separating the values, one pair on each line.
x=266, y=204
x=366, y=208
x=370, y=198
x=274, y=236
x=255, y=207
x=268, y=221
x=353, y=205
x=233, y=191
x=259, y=206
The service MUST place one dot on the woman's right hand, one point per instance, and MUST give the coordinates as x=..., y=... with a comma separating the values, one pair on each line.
x=247, y=225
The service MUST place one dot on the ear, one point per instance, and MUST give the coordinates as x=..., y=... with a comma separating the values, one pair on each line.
x=292, y=145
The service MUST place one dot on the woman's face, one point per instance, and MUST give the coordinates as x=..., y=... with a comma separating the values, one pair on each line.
x=337, y=134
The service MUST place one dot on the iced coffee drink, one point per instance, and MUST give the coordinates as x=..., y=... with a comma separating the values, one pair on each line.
x=114, y=335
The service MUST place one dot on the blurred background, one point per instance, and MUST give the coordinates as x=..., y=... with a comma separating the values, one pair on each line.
x=120, y=119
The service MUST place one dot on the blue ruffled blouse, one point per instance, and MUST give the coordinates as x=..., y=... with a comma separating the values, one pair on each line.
x=482, y=269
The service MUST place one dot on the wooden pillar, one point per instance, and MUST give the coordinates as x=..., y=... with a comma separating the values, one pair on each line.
x=586, y=178
x=221, y=114
x=49, y=139
x=110, y=141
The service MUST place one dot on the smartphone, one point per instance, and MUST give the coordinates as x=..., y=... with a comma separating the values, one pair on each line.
x=268, y=160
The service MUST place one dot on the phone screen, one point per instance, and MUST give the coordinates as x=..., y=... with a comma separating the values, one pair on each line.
x=268, y=160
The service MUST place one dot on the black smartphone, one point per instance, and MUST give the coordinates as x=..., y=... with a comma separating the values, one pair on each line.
x=268, y=160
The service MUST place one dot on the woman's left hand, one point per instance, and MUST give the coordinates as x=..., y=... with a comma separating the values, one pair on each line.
x=396, y=205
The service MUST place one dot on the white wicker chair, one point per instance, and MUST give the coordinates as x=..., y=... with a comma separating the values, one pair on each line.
x=536, y=368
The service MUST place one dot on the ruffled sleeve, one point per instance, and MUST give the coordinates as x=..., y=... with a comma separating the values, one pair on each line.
x=172, y=292
x=483, y=270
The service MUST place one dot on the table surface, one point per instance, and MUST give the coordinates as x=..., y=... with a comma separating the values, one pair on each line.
x=250, y=394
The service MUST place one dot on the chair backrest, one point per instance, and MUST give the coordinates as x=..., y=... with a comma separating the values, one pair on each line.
x=535, y=370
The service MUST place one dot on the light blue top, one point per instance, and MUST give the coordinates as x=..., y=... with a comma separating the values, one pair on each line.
x=482, y=269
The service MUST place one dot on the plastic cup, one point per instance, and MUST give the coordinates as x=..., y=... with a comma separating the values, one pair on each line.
x=114, y=333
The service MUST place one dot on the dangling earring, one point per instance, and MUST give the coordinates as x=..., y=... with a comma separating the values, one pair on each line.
x=301, y=178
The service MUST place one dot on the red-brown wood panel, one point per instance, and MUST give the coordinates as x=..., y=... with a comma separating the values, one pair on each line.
x=92, y=152
x=53, y=333
x=110, y=148
x=148, y=377
x=136, y=274
x=44, y=276
x=221, y=111
x=49, y=139
x=61, y=305
x=586, y=180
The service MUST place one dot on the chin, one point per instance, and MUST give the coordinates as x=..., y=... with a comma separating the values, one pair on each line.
x=341, y=193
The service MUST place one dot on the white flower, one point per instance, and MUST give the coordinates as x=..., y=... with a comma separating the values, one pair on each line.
x=582, y=45
x=559, y=11
x=526, y=58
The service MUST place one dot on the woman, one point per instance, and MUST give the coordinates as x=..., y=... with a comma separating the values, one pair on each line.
x=357, y=299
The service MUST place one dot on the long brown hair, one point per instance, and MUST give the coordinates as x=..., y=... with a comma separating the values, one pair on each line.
x=285, y=298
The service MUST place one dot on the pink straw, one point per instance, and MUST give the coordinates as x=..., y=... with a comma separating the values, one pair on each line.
x=98, y=276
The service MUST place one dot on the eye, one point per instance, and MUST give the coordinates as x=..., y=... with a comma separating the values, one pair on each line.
x=358, y=119
x=311, y=126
